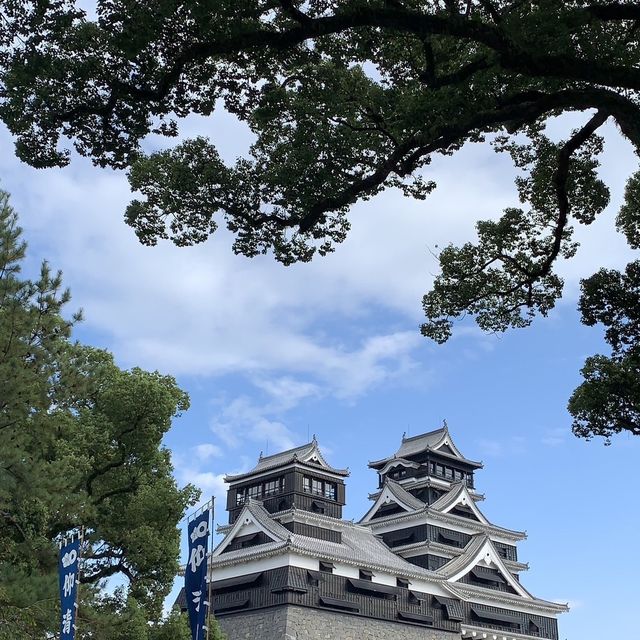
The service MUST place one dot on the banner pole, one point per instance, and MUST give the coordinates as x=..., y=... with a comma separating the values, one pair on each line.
x=75, y=603
x=209, y=597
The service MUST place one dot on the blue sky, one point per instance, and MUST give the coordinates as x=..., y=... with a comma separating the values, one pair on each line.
x=272, y=355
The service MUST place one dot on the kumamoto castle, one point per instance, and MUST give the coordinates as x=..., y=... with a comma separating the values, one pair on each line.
x=422, y=564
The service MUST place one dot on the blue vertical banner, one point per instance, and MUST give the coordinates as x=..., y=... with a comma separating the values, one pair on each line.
x=68, y=572
x=195, y=575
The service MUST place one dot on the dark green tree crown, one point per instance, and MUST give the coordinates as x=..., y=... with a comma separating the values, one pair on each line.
x=345, y=99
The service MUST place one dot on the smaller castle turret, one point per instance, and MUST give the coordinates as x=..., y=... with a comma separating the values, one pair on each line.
x=299, y=478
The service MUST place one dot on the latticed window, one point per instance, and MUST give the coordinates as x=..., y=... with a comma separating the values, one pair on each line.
x=330, y=490
x=320, y=488
x=255, y=491
x=273, y=486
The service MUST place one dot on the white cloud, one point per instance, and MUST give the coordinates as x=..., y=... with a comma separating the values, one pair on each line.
x=206, y=312
x=210, y=484
x=207, y=450
x=287, y=392
x=242, y=419
x=276, y=436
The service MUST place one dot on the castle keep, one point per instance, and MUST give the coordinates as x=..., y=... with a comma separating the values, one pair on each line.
x=423, y=563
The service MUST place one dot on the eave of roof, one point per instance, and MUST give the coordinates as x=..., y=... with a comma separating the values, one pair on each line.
x=359, y=547
x=479, y=548
x=399, y=495
x=428, y=481
x=430, y=441
x=472, y=593
x=402, y=518
x=449, y=552
x=458, y=494
x=299, y=455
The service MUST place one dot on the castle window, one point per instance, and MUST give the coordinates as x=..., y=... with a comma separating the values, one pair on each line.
x=402, y=583
x=273, y=486
x=255, y=491
x=319, y=488
x=448, y=473
x=326, y=567
x=458, y=475
x=241, y=496
x=364, y=574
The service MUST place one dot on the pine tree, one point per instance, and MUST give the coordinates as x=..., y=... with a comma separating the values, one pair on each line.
x=80, y=445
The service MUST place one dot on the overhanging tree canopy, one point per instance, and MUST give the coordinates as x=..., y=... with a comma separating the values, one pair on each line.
x=345, y=98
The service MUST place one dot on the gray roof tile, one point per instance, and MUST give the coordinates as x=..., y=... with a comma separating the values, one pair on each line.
x=302, y=454
x=422, y=442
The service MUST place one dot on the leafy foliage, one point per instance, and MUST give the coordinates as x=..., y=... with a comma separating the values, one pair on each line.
x=608, y=401
x=80, y=445
x=345, y=98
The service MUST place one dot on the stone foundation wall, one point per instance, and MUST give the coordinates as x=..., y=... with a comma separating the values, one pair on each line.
x=302, y=623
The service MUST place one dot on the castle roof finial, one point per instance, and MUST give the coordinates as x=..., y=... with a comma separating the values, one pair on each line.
x=444, y=424
x=315, y=440
x=404, y=436
x=260, y=457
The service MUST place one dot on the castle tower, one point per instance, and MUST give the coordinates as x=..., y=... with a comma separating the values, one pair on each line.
x=299, y=478
x=426, y=511
x=423, y=563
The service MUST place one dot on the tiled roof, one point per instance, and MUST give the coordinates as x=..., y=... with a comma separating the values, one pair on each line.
x=428, y=481
x=433, y=516
x=403, y=495
x=502, y=598
x=457, y=564
x=304, y=453
x=358, y=546
x=423, y=442
x=470, y=557
x=416, y=444
x=453, y=496
x=262, y=517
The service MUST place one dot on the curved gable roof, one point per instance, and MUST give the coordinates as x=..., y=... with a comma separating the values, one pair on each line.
x=394, y=492
x=307, y=453
x=430, y=441
x=480, y=549
x=254, y=513
x=459, y=494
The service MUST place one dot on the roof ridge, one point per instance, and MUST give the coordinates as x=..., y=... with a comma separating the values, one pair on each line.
x=422, y=435
x=298, y=448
